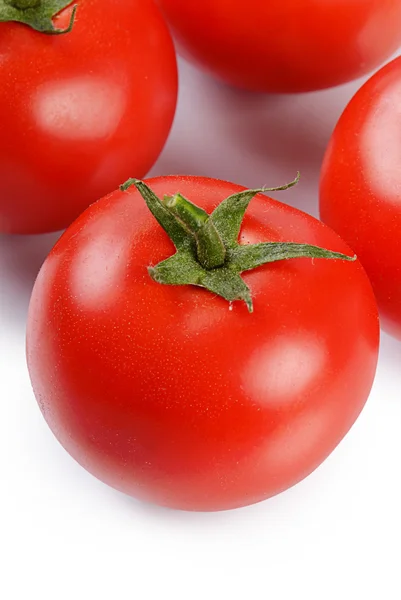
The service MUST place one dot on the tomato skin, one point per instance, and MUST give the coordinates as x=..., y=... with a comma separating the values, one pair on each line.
x=360, y=186
x=81, y=111
x=169, y=394
x=285, y=45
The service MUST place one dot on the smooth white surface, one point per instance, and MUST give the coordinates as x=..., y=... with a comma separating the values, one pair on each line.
x=64, y=535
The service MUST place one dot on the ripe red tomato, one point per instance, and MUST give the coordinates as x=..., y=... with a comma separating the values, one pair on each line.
x=171, y=394
x=361, y=186
x=286, y=45
x=81, y=111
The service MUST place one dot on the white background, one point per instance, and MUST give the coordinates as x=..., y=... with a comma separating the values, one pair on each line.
x=64, y=535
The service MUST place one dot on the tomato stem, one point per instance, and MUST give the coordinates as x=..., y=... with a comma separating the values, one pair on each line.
x=207, y=250
x=193, y=216
x=211, y=251
x=37, y=14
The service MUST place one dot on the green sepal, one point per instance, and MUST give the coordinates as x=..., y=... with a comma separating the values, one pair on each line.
x=245, y=258
x=229, y=285
x=208, y=253
x=228, y=215
x=180, y=269
x=179, y=234
x=38, y=15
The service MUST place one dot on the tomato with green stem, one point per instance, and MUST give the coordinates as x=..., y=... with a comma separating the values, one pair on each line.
x=80, y=110
x=285, y=45
x=203, y=349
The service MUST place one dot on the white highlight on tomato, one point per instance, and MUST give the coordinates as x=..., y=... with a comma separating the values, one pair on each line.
x=381, y=148
x=98, y=268
x=85, y=108
x=285, y=367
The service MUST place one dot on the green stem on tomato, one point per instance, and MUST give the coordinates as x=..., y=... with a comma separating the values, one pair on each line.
x=207, y=250
x=193, y=216
x=37, y=14
x=211, y=251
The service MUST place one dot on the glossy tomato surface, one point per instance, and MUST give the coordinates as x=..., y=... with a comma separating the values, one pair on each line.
x=173, y=395
x=285, y=45
x=81, y=111
x=360, y=191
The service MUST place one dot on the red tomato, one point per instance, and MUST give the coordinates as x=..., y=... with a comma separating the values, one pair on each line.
x=170, y=394
x=361, y=186
x=286, y=45
x=81, y=111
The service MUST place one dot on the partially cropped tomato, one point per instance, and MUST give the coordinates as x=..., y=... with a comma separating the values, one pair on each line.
x=360, y=191
x=171, y=393
x=285, y=45
x=80, y=110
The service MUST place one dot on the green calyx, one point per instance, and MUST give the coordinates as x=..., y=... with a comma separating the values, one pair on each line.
x=207, y=250
x=38, y=14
